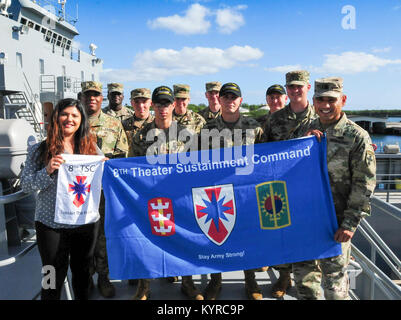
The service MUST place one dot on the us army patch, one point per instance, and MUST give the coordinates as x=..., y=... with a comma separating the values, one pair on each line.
x=274, y=212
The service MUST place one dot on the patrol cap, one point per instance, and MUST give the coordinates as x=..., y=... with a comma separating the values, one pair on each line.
x=298, y=77
x=275, y=88
x=230, y=88
x=140, y=93
x=162, y=93
x=329, y=87
x=115, y=87
x=213, y=86
x=181, y=91
x=91, y=86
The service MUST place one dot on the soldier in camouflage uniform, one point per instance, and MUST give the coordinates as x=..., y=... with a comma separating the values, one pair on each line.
x=182, y=114
x=285, y=124
x=163, y=104
x=141, y=102
x=212, y=95
x=276, y=98
x=115, y=108
x=351, y=166
x=112, y=141
x=230, y=99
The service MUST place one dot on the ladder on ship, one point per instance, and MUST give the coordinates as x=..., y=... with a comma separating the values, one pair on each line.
x=25, y=105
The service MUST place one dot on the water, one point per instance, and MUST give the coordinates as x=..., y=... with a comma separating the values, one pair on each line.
x=382, y=139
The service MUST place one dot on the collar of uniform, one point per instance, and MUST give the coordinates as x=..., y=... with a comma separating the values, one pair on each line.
x=292, y=115
x=232, y=125
x=138, y=122
x=96, y=120
x=187, y=115
x=338, y=127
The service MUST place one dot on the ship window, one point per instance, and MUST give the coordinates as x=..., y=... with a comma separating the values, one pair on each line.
x=19, y=59
x=42, y=66
x=54, y=38
x=48, y=36
x=37, y=27
x=30, y=24
x=23, y=21
x=44, y=30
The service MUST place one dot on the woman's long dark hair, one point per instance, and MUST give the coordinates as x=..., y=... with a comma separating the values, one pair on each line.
x=84, y=141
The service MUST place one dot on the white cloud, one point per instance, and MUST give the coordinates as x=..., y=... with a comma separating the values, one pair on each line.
x=284, y=69
x=354, y=62
x=193, y=22
x=398, y=7
x=344, y=63
x=163, y=63
x=230, y=19
x=380, y=50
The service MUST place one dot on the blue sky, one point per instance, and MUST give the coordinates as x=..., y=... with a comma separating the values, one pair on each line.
x=253, y=43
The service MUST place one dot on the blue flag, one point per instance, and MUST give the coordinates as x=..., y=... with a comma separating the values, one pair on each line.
x=219, y=210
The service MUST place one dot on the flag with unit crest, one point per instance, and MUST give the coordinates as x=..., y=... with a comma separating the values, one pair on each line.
x=78, y=189
x=177, y=217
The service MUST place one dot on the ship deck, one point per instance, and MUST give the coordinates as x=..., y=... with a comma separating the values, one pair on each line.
x=23, y=281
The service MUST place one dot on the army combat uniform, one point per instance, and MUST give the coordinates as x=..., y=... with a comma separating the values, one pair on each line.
x=243, y=124
x=190, y=119
x=124, y=112
x=112, y=141
x=140, y=145
x=133, y=123
x=351, y=165
x=285, y=124
x=206, y=113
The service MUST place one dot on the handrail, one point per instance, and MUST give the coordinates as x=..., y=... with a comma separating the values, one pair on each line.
x=381, y=247
x=378, y=277
x=18, y=256
x=13, y=197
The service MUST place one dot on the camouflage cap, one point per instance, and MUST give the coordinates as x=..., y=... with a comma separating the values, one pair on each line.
x=115, y=87
x=230, y=88
x=141, y=93
x=275, y=88
x=181, y=91
x=213, y=86
x=91, y=86
x=298, y=77
x=328, y=87
x=162, y=93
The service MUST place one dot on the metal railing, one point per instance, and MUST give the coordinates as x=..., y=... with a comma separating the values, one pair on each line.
x=6, y=199
x=377, y=278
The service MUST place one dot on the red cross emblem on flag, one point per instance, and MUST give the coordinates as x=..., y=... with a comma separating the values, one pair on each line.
x=161, y=216
x=80, y=189
x=215, y=211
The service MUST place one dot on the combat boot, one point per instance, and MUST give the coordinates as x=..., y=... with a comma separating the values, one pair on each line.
x=189, y=289
x=105, y=287
x=143, y=290
x=213, y=288
x=252, y=288
x=283, y=283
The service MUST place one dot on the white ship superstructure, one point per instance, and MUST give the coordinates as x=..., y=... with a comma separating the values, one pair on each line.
x=39, y=64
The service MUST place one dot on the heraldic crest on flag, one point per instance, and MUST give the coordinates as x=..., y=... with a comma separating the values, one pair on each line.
x=274, y=211
x=161, y=216
x=215, y=211
x=80, y=190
